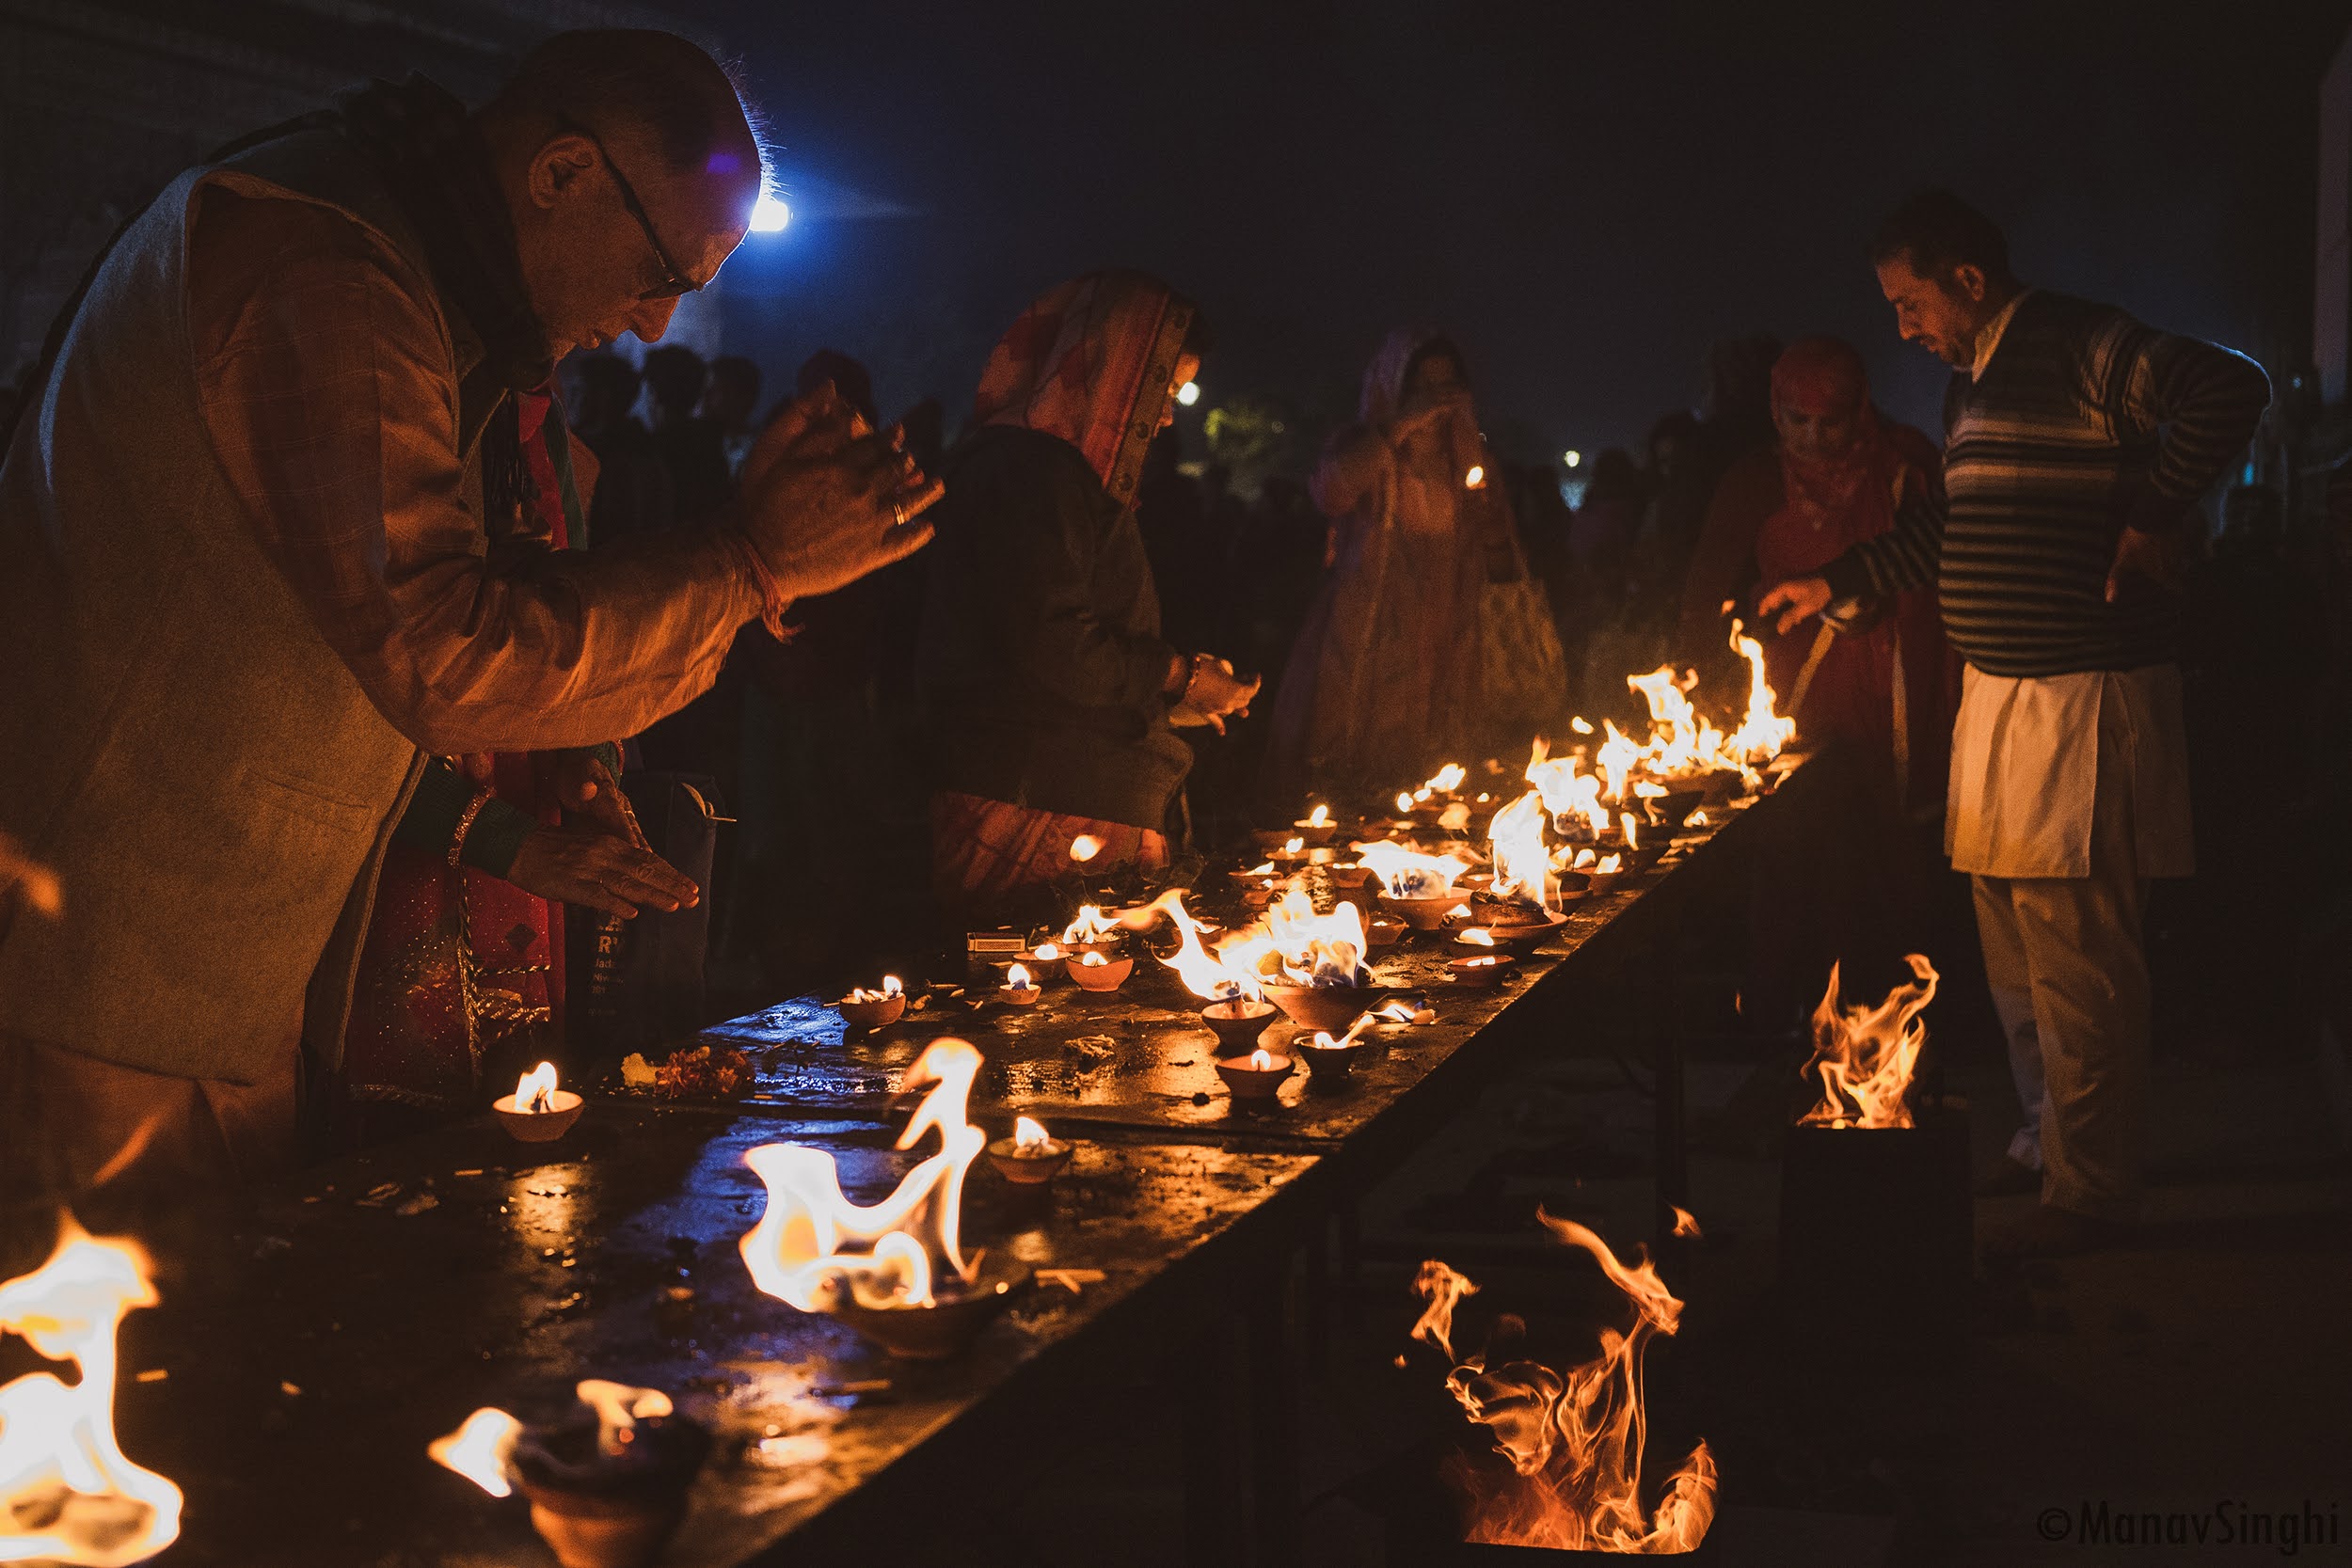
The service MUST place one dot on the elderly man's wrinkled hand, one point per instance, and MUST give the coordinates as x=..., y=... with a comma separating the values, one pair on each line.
x=825, y=502
x=584, y=865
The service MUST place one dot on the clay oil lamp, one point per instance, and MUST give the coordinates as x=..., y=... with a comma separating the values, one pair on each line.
x=1515, y=928
x=1091, y=971
x=607, y=1482
x=1330, y=1059
x=1018, y=989
x=1606, y=872
x=1031, y=1157
x=1237, y=1022
x=1482, y=971
x=875, y=1009
x=1318, y=827
x=538, y=1112
x=1384, y=931
x=1256, y=1077
x=1045, y=962
x=1417, y=888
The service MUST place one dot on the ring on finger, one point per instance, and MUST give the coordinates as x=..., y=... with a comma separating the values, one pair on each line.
x=899, y=514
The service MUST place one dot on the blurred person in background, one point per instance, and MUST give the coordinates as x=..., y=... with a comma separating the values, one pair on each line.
x=691, y=447
x=729, y=404
x=1385, y=677
x=632, y=494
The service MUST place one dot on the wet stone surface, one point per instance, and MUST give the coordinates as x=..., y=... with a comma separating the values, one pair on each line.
x=303, y=1382
x=312, y=1347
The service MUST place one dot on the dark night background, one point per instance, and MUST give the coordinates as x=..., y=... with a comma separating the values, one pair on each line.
x=1587, y=195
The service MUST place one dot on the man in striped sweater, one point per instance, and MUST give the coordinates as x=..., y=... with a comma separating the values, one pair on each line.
x=2076, y=444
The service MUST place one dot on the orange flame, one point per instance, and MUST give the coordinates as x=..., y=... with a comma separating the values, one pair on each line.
x=1017, y=978
x=1567, y=791
x=481, y=1449
x=1762, y=733
x=1029, y=1134
x=1085, y=848
x=1865, y=1055
x=891, y=989
x=619, y=1408
x=1093, y=924
x=67, y=1493
x=1262, y=1060
x=535, y=1090
x=1202, y=975
x=1686, y=1223
x=1522, y=864
x=1319, y=818
x=1407, y=872
x=794, y=1252
x=1574, y=1439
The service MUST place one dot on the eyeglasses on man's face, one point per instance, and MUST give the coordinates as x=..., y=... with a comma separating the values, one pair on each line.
x=675, y=280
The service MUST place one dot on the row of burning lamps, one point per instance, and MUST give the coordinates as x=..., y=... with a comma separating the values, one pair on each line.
x=1572, y=1437
x=69, y=1494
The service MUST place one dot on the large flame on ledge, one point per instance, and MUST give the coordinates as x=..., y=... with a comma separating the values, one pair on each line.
x=1864, y=1057
x=1202, y=975
x=1407, y=873
x=67, y=1493
x=1574, y=1438
x=795, y=1251
x=1522, y=863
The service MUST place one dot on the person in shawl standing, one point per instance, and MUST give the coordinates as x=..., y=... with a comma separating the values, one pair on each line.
x=1882, y=682
x=1384, y=678
x=1054, y=699
x=229, y=645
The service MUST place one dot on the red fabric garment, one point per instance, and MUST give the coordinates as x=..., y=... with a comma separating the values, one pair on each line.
x=1089, y=362
x=1825, y=506
x=457, y=960
x=990, y=848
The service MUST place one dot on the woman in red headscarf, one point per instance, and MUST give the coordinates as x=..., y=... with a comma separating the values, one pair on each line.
x=1880, y=680
x=1053, y=696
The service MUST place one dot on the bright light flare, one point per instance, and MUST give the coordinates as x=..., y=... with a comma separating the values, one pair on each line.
x=771, y=215
x=1188, y=394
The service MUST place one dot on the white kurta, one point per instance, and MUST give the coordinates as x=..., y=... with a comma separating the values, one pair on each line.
x=2026, y=772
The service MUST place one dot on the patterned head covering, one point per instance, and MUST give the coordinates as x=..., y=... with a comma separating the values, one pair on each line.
x=1824, y=377
x=1089, y=362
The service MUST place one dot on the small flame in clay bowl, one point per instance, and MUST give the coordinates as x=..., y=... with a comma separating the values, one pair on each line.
x=1481, y=969
x=1048, y=960
x=538, y=1112
x=1031, y=1157
x=1258, y=1076
x=1330, y=1057
x=876, y=1009
x=1091, y=971
x=1020, y=988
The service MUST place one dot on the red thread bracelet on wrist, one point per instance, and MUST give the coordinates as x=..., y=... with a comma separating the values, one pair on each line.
x=773, y=600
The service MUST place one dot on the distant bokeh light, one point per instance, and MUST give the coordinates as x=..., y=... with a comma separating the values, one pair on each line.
x=1189, y=393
